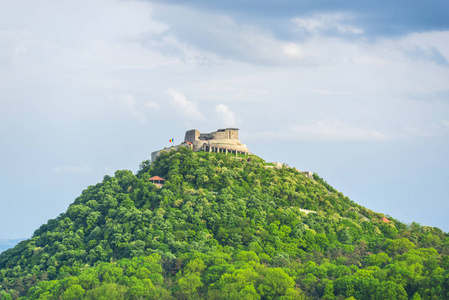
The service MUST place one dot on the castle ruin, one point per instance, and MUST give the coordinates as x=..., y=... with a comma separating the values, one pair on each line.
x=223, y=140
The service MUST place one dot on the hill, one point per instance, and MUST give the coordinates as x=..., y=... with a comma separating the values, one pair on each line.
x=223, y=227
x=6, y=244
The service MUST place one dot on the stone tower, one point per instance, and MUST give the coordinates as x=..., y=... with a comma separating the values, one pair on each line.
x=192, y=136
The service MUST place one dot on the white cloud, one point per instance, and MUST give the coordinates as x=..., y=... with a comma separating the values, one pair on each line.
x=188, y=109
x=295, y=51
x=151, y=105
x=227, y=116
x=128, y=102
x=213, y=38
x=330, y=93
x=369, y=60
x=326, y=23
x=430, y=46
x=56, y=81
x=335, y=131
x=320, y=131
x=73, y=170
x=413, y=131
x=432, y=130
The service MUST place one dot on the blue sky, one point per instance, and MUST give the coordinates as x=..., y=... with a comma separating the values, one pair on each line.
x=356, y=91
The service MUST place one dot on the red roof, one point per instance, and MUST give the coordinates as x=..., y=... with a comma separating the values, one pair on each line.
x=188, y=142
x=385, y=220
x=157, y=178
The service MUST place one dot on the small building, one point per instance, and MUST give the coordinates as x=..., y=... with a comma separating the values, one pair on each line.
x=158, y=181
x=385, y=220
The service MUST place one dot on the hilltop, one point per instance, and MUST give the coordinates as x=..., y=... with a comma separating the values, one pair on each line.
x=224, y=227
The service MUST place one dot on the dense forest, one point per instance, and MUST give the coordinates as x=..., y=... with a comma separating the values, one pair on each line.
x=224, y=227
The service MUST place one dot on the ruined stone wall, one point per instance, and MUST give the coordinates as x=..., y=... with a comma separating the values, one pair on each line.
x=205, y=136
x=192, y=135
x=227, y=138
x=222, y=141
x=240, y=148
x=233, y=134
x=225, y=134
x=220, y=135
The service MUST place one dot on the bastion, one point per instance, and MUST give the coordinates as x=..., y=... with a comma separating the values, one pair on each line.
x=223, y=140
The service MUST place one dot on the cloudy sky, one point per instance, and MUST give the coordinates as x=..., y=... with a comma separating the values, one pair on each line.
x=357, y=92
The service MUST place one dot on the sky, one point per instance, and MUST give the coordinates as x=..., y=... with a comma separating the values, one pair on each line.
x=356, y=91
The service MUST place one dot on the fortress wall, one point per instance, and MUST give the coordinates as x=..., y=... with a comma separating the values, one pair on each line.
x=217, y=143
x=222, y=139
x=241, y=148
x=192, y=135
x=220, y=135
x=155, y=154
x=224, y=142
x=205, y=136
x=233, y=134
x=198, y=145
x=226, y=134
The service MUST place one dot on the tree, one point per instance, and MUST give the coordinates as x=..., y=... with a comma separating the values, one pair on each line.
x=107, y=291
x=74, y=292
x=275, y=284
x=378, y=260
x=223, y=228
x=399, y=246
x=390, y=290
x=189, y=285
x=6, y=296
x=248, y=293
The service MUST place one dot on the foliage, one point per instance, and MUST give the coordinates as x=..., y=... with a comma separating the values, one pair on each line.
x=223, y=227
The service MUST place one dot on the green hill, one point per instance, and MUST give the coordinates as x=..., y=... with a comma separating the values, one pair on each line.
x=6, y=244
x=223, y=227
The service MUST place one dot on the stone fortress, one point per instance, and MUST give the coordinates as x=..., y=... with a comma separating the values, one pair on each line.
x=223, y=140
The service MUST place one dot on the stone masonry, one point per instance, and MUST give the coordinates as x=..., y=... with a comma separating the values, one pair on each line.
x=223, y=140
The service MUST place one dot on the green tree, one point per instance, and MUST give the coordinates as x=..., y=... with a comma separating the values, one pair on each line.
x=74, y=292
x=275, y=284
x=107, y=291
x=399, y=246
x=189, y=285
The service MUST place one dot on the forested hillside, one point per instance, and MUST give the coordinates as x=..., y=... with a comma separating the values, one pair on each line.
x=6, y=244
x=223, y=227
